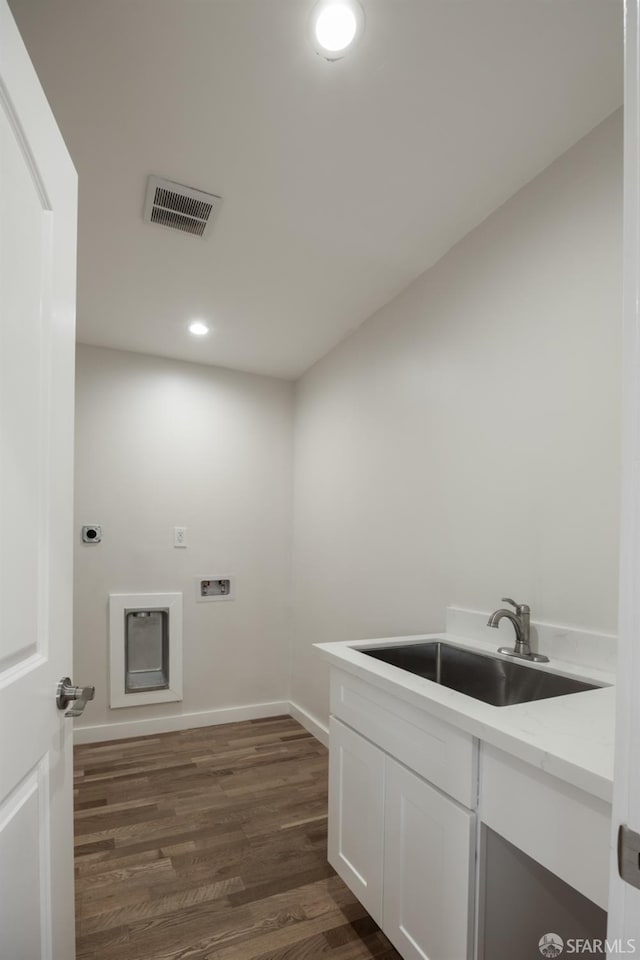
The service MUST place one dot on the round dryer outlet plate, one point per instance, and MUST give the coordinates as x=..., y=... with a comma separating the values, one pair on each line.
x=92, y=533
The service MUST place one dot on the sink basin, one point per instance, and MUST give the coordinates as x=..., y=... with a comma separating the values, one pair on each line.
x=479, y=675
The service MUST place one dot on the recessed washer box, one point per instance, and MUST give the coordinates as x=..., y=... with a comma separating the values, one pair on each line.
x=215, y=588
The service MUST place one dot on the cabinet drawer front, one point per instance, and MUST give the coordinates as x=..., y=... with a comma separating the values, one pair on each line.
x=437, y=751
x=557, y=825
x=428, y=869
x=356, y=814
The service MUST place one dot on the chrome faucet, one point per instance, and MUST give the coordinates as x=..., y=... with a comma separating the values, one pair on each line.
x=521, y=624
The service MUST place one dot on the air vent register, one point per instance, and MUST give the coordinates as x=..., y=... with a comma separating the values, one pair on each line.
x=180, y=208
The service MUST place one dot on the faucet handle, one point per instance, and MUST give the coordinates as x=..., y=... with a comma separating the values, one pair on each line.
x=520, y=608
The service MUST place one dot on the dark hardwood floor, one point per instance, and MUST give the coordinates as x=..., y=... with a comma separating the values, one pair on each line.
x=210, y=844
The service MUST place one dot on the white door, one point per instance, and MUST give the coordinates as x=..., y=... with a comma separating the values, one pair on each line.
x=624, y=899
x=356, y=814
x=427, y=870
x=37, y=316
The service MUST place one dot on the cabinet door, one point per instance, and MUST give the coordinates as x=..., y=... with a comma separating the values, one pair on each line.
x=356, y=814
x=428, y=869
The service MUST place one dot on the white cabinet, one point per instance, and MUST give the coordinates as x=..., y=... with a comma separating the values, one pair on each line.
x=403, y=847
x=562, y=828
x=404, y=790
x=433, y=749
x=427, y=869
x=356, y=815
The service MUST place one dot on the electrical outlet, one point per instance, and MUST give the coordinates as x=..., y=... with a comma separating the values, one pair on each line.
x=179, y=536
x=92, y=533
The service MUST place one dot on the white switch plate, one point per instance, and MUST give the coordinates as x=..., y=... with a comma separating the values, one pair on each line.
x=179, y=536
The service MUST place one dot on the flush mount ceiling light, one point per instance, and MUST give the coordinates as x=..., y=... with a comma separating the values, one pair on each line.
x=198, y=328
x=335, y=25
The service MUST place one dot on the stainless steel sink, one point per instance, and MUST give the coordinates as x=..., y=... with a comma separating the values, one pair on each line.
x=479, y=675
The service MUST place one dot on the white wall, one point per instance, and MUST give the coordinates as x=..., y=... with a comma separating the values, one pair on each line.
x=162, y=443
x=462, y=445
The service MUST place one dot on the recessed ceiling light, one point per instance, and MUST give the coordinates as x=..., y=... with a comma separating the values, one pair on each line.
x=198, y=328
x=335, y=25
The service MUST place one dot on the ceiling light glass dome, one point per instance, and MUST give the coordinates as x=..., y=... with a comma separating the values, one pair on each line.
x=335, y=25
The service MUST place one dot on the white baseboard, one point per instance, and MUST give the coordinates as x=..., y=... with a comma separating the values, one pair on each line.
x=319, y=730
x=149, y=726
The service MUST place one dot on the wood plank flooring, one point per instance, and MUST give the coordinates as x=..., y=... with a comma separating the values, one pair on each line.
x=210, y=844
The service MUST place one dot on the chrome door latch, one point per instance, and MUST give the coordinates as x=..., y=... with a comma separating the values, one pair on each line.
x=629, y=855
x=66, y=692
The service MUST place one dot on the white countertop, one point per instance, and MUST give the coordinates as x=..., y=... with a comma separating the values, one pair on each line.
x=571, y=737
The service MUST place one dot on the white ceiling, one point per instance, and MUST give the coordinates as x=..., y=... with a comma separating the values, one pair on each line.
x=341, y=181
